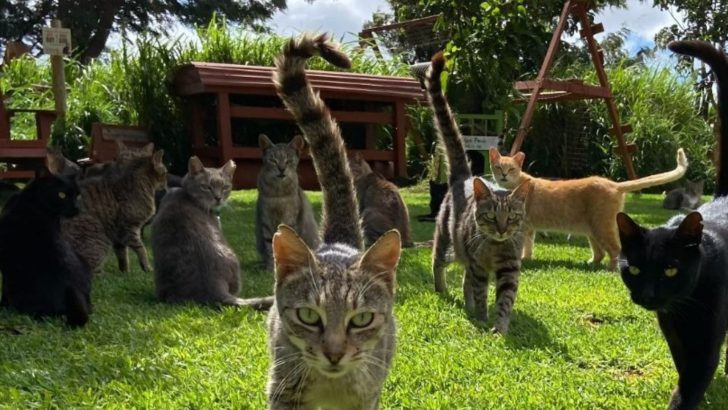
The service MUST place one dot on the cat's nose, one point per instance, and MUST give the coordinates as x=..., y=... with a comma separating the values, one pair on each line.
x=334, y=357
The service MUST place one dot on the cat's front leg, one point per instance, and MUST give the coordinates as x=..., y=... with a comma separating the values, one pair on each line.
x=475, y=291
x=132, y=238
x=505, y=295
x=529, y=240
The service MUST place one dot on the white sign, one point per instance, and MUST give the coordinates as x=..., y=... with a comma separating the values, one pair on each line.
x=56, y=41
x=480, y=142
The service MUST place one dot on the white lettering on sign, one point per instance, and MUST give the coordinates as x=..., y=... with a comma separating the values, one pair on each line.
x=480, y=142
x=125, y=134
x=56, y=41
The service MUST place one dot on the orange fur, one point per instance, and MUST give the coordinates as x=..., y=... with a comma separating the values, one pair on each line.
x=585, y=206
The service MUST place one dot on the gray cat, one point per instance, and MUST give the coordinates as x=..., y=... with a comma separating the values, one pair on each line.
x=192, y=260
x=114, y=207
x=331, y=328
x=483, y=223
x=280, y=199
x=687, y=197
x=380, y=204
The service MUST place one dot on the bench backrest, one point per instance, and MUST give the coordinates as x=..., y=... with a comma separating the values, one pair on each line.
x=198, y=78
x=104, y=139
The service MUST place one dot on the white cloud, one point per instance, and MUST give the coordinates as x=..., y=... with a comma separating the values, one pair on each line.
x=639, y=17
x=341, y=18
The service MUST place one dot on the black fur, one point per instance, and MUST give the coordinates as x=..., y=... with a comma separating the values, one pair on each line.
x=680, y=270
x=41, y=275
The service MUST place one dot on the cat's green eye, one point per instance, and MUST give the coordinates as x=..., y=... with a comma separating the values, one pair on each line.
x=362, y=319
x=490, y=215
x=62, y=195
x=634, y=270
x=308, y=316
x=670, y=272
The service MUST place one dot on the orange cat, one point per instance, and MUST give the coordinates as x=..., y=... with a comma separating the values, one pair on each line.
x=586, y=206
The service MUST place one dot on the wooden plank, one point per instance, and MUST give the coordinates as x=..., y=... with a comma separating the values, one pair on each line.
x=224, y=126
x=595, y=29
x=624, y=129
x=242, y=111
x=20, y=152
x=400, y=163
x=628, y=149
x=15, y=174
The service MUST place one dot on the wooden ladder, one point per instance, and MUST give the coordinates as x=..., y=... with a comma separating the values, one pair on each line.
x=547, y=90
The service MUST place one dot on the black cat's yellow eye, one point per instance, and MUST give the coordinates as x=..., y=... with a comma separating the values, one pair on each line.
x=670, y=272
x=362, y=319
x=62, y=195
x=308, y=316
x=634, y=270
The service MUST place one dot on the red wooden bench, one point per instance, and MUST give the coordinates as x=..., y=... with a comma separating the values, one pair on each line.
x=104, y=139
x=22, y=157
x=223, y=95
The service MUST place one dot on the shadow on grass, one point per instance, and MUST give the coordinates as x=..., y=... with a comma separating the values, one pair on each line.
x=536, y=264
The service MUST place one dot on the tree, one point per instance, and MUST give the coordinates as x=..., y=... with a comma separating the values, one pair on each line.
x=492, y=42
x=92, y=21
x=703, y=20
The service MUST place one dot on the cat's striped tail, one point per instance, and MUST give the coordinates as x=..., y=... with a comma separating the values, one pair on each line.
x=718, y=61
x=657, y=179
x=340, y=219
x=445, y=123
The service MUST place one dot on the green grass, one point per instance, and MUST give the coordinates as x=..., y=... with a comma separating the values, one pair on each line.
x=576, y=340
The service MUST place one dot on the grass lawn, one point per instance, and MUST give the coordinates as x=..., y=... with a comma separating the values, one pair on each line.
x=576, y=340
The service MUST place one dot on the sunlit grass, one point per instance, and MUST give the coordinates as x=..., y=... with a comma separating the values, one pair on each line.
x=576, y=341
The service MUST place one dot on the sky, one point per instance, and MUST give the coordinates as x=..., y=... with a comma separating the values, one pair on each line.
x=344, y=18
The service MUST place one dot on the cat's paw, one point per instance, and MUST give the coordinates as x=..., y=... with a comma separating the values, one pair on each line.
x=500, y=328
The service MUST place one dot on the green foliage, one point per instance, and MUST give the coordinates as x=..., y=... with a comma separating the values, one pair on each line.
x=658, y=105
x=134, y=85
x=91, y=22
x=576, y=340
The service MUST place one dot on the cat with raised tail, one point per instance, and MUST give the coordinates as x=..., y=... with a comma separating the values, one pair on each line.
x=331, y=328
x=584, y=206
x=680, y=270
x=483, y=223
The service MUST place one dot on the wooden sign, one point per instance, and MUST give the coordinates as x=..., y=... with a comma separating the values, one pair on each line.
x=56, y=41
x=480, y=142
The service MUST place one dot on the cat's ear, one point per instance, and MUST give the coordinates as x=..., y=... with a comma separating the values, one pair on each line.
x=158, y=161
x=520, y=157
x=381, y=259
x=43, y=172
x=148, y=149
x=629, y=230
x=494, y=155
x=229, y=169
x=195, y=165
x=297, y=143
x=55, y=160
x=264, y=142
x=521, y=192
x=481, y=190
x=120, y=145
x=690, y=231
x=290, y=253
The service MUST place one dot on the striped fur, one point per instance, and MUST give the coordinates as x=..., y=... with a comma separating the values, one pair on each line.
x=115, y=207
x=329, y=362
x=340, y=219
x=484, y=224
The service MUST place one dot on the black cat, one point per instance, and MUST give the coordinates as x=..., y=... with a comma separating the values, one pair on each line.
x=41, y=275
x=680, y=270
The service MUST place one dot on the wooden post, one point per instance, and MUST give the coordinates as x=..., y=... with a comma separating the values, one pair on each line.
x=401, y=125
x=59, y=79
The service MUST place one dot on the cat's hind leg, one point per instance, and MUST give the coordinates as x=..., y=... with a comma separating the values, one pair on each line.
x=440, y=247
x=597, y=251
x=132, y=238
x=121, y=256
x=608, y=239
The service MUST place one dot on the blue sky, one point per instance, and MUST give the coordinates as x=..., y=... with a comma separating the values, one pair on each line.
x=344, y=18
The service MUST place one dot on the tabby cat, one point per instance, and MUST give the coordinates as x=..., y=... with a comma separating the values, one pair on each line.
x=577, y=206
x=192, y=260
x=687, y=197
x=115, y=206
x=41, y=275
x=331, y=328
x=380, y=205
x=680, y=270
x=280, y=199
x=484, y=224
